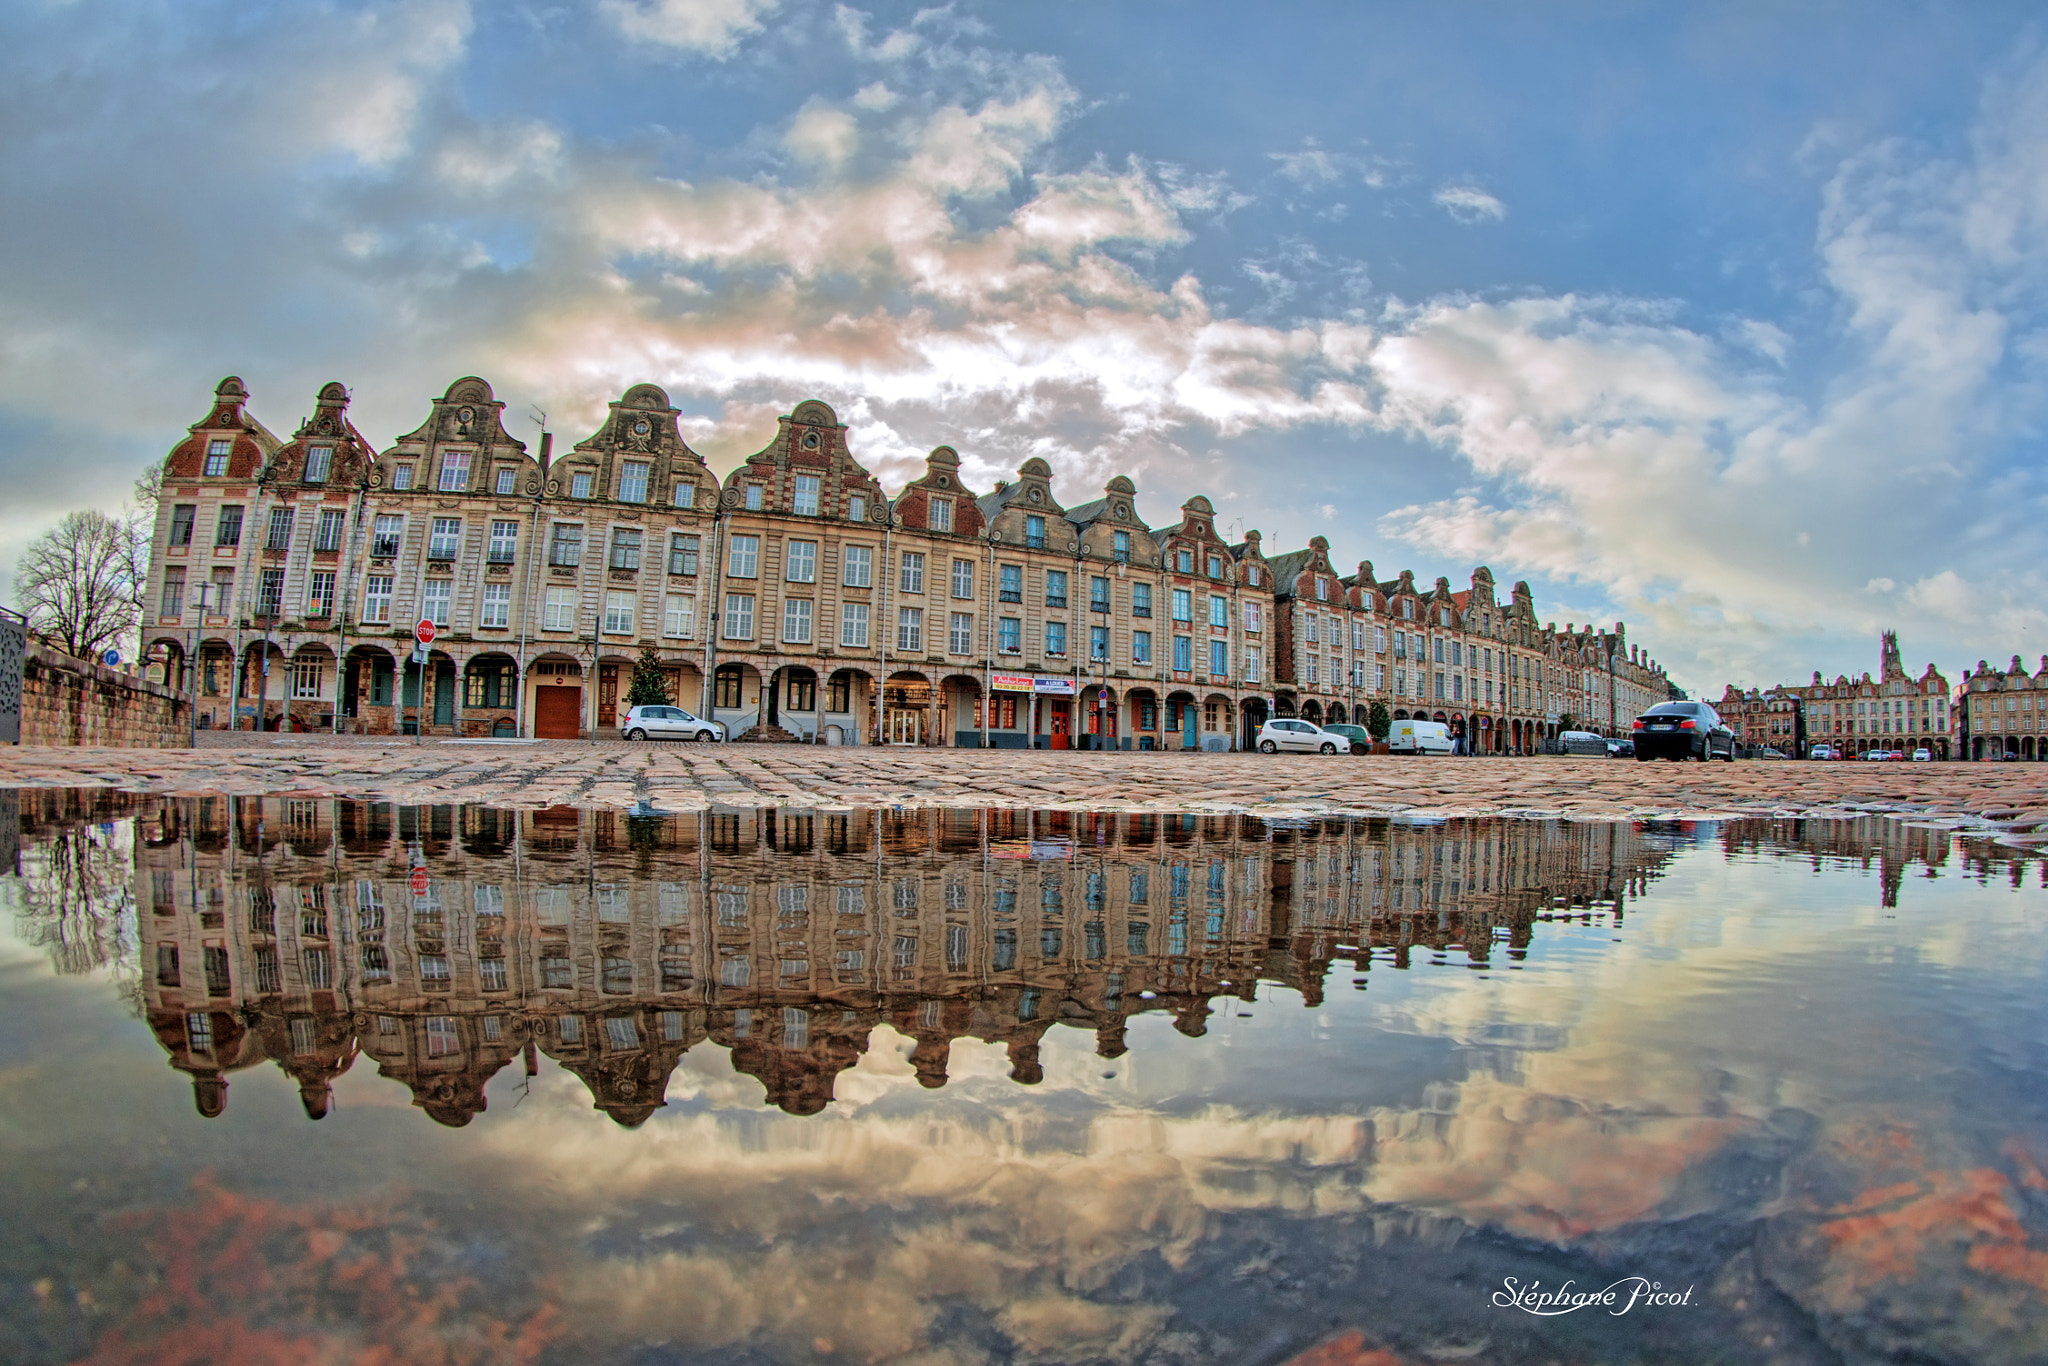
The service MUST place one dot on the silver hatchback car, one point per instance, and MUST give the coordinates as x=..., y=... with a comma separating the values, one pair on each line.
x=669, y=723
x=1288, y=733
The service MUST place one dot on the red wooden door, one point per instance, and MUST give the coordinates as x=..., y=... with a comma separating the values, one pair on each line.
x=557, y=713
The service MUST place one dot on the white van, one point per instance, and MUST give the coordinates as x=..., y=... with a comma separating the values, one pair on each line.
x=1419, y=737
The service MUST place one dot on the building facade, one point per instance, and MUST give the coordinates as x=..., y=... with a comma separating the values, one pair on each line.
x=2003, y=713
x=794, y=597
x=1891, y=710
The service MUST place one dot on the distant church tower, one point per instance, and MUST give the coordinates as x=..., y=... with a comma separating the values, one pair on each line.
x=1891, y=665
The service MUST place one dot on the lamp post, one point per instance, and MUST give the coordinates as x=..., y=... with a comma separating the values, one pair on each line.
x=198, y=609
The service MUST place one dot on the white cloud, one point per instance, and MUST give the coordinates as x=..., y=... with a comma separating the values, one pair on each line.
x=711, y=27
x=1470, y=204
x=822, y=134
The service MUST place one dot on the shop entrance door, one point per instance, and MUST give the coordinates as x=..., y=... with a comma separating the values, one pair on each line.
x=904, y=727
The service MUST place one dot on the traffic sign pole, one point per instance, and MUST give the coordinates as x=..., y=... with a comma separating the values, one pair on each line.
x=423, y=632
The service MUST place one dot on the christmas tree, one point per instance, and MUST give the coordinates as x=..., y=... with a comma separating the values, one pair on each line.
x=649, y=685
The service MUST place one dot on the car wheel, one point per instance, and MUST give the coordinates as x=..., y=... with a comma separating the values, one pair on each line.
x=1268, y=747
x=1329, y=748
x=705, y=735
x=636, y=734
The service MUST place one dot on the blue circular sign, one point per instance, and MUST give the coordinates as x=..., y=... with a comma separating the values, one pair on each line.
x=111, y=658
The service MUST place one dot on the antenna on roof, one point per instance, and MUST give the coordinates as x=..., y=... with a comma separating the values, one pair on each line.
x=1236, y=529
x=539, y=418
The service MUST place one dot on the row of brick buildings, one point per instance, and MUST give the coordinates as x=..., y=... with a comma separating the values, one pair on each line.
x=795, y=593
x=1991, y=714
x=441, y=944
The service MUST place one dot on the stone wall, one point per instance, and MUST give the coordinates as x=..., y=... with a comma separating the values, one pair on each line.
x=67, y=701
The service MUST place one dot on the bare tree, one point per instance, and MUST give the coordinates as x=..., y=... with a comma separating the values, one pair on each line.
x=77, y=582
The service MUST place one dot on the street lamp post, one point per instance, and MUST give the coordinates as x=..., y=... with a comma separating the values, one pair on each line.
x=198, y=609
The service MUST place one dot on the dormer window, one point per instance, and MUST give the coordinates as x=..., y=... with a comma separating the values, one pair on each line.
x=1322, y=589
x=633, y=481
x=804, y=498
x=1034, y=532
x=581, y=483
x=1215, y=566
x=1121, y=547
x=857, y=508
x=1251, y=575
x=454, y=471
x=1184, y=561
x=508, y=479
x=318, y=460
x=941, y=515
x=1408, y=608
x=217, y=457
x=685, y=495
x=753, y=497
x=401, y=477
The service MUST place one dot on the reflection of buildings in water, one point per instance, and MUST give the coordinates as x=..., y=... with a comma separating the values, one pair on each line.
x=445, y=942
x=1890, y=848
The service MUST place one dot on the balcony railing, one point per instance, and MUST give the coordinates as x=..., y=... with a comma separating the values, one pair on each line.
x=1010, y=595
x=1034, y=542
x=383, y=547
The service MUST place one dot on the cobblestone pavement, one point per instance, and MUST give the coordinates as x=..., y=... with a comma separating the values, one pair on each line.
x=679, y=777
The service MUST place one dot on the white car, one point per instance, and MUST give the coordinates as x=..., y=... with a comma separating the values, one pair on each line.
x=1288, y=733
x=1923, y=756
x=669, y=723
x=1821, y=752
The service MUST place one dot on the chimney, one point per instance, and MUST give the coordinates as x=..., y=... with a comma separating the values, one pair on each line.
x=547, y=451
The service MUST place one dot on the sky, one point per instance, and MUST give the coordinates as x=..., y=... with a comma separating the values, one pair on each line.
x=1726, y=321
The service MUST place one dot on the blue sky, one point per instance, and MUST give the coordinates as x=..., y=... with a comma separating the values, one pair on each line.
x=1723, y=320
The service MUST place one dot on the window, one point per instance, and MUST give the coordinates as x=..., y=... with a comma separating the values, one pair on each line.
x=434, y=596
x=581, y=484
x=1120, y=547
x=401, y=477
x=940, y=516
x=385, y=535
x=228, y=531
x=320, y=593
x=633, y=481
x=743, y=557
x=1055, y=588
x=307, y=675
x=676, y=616
x=270, y=593
x=625, y=547
x=1215, y=566
x=319, y=459
x=377, y=599
x=684, y=495
x=504, y=535
x=963, y=579
x=796, y=621
x=182, y=517
x=1184, y=561
x=1141, y=647
x=853, y=625
x=1322, y=588
x=173, y=603
x=857, y=507
x=1034, y=532
x=1010, y=635
x=508, y=480
x=566, y=549
x=443, y=538
x=327, y=532
x=1183, y=605
x=1314, y=670
x=754, y=496
x=909, y=628
x=1098, y=643
x=217, y=457
x=454, y=471
x=911, y=578
x=1219, y=658
x=1251, y=667
x=1219, y=611
x=960, y=634
x=1141, y=599
x=1056, y=638
x=280, y=537
x=497, y=606
x=682, y=553
x=858, y=570
x=1183, y=654
x=1098, y=593
x=800, y=692
x=558, y=611
x=1010, y=583
x=739, y=616
x=804, y=500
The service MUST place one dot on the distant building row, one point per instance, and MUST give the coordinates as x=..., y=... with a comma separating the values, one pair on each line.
x=795, y=593
x=1894, y=710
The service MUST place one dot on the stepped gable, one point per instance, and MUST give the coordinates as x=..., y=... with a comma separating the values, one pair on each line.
x=809, y=440
x=250, y=443
x=641, y=425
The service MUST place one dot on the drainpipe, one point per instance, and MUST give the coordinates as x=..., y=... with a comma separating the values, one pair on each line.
x=533, y=554
x=988, y=641
x=716, y=572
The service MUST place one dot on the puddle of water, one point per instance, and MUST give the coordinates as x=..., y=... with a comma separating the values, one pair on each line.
x=1005, y=1086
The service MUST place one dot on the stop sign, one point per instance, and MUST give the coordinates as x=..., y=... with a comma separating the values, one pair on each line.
x=419, y=882
x=423, y=631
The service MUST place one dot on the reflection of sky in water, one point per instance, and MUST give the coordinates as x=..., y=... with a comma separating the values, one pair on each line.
x=1763, y=1081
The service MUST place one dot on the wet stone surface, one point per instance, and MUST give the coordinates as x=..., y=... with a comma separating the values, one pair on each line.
x=305, y=1079
x=2012, y=798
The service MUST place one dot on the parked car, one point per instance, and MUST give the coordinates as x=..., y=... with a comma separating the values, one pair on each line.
x=1923, y=756
x=1289, y=732
x=1822, y=752
x=1582, y=742
x=1683, y=730
x=1767, y=753
x=1877, y=755
x=669, y=723
x=1420, y=737
x=1359, y=736
x=1621, y=749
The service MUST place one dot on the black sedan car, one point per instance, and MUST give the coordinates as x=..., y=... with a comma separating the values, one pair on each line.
x=1683, y=730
